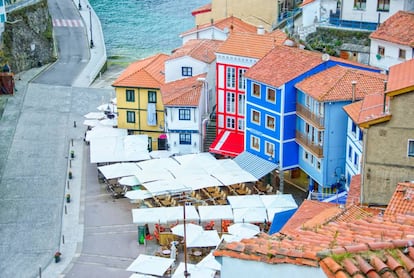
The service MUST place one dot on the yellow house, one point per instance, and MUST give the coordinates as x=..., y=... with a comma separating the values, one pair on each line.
x=139, y=102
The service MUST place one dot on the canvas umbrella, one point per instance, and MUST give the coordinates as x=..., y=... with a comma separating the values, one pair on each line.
x=129, y=181
x=244, y=230
x=203, y=239
x=152, y=265
x=210, y=262
x=190, y=229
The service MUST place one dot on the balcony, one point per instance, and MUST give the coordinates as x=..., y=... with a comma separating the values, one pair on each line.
x=304, y=141
x=308, y=115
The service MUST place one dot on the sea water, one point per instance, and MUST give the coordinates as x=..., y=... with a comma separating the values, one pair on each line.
x=136, y=29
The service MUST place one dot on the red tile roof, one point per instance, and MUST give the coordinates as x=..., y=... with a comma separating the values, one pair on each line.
x=252, y=45
x=354, y=193
x=283, y=64
x=398, y=28
x=305, y=2
x=232, y=24
x=402, y=201
x=202, y=50
x=183, y=92
x=203, y=9
x=401, y=78
x=369, y=111
x=335, y=84
x=146, y=73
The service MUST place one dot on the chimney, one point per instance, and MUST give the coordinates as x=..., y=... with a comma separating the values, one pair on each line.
x=353, y=90
x=260, y=30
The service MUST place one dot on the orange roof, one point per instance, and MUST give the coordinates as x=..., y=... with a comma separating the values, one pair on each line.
x=283, y=64
x=252, y=45
x=146, y=73
x=183, y=92
x=203, y=50
x=203, y=9
x=232, y=23
x=401, y=78
x=354, y=193
x=402, y=201
x=368, y=111
x=350, y=230
x=335, y=84
x=305, y=2
x=398, y=28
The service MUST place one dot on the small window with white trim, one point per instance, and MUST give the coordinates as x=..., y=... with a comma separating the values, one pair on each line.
x=411, y=147
x=256, y=117
x=255, y=143
x=270, y=122
x=270, y=149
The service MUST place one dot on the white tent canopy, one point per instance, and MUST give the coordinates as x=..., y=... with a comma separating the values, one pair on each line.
x=245, y=201
x=244, y=230
x=203, y=239
x=219, y=212
x=210, y=262
x=119, y=149
x=129, y=181
x=285, y=201
x=101, y=131
x=252, y=214
x=138, y=194
x=117, y=170
x=164, y=214
x=95, y=115
x=152, y=265
x=195, y=271
x=137, y=275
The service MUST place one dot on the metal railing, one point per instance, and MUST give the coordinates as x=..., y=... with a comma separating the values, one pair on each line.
x=307, y=114
x=302, y=139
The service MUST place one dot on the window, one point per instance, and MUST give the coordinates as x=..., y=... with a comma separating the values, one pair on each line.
x=231, y=77
x=230, y=123
x=353, y=128
x=361, y=135
x=401, y=54
x=360, y=4
x=411, y=148
x=186, y=71
x=381, y=51
x=242, y=81
x=306, y=155
x=307, y=101
x=271, y=95
x=383, y=5
x=356, y=160
x=255, y=143
x=270, y=122
x=240, y=124
x=318, y=165
x=185, y=138
x=256, y=90
x=184, y=114
x=152, y=97
x=256, y=117
x=230, y=103
x=270, y=149
x=350, y=152
x=241, y=104
x=130, y=96
x=130, y=117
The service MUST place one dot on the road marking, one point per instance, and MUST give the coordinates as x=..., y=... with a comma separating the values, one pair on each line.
x=67, y=23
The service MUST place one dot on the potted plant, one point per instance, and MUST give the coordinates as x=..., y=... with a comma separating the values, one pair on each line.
x=57, y=256
x=70, y=175
x=72, y=154
x=67, y=198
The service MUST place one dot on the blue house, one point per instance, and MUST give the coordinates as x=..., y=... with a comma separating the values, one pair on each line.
x=286, y=126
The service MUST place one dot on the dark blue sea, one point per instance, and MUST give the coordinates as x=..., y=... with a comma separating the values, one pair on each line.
x=135, y=29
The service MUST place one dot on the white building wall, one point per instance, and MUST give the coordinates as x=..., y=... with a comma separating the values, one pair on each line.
x=370, y=14
x=391, y=54
x=173, y=68
x=246, y=269
x=353, y=146
x=311, y=13
x=210, y=33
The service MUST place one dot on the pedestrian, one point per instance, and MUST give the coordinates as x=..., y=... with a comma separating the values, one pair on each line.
x=6, y=67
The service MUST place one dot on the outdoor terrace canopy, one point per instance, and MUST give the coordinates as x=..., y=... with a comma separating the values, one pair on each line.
x=164, y=215
x=152, y=265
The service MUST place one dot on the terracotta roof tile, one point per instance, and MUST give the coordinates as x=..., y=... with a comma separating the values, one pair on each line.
x=354, y=193
x=146, y=73
x=230, y=23
x=401, y=78
x=305, y=2
x=252, y=45
x=402, y=201
x=398, y=28
x=369, y=110
x=202, y=9
x=183, y=92
x=203, y=50
x=335, y=84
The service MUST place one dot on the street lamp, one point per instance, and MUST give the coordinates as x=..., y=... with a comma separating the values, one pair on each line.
x=90, y=24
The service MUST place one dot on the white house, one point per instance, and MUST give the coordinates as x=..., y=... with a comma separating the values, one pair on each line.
x=185, y=105
x=393, y=42
x=218, y=30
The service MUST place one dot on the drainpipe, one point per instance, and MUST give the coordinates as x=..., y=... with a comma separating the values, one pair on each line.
x=385, y=97
x=203, y=133
x=353, y=90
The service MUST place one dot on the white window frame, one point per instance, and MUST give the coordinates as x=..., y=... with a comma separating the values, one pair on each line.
x=253, y=140
x=231, y=77
x=231, y=102
x=241, y=110
x=410, y=148
x=253, y=91
x=272, y=147
x=267, y=95
x=267, y=122
x=241, y=80
x=230, y=123
x=252, y=115
x=240, y=124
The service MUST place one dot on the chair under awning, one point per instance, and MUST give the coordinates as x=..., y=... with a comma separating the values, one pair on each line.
x=254, y=164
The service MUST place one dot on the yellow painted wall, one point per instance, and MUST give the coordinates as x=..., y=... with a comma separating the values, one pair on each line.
x=139, y=106
x=255, y=12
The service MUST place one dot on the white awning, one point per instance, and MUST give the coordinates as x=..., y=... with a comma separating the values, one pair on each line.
x=254, y=164
x=152, y=265
x=208, y=213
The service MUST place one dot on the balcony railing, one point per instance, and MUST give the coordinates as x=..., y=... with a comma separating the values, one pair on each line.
x=303, y=140
x=307, y=114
